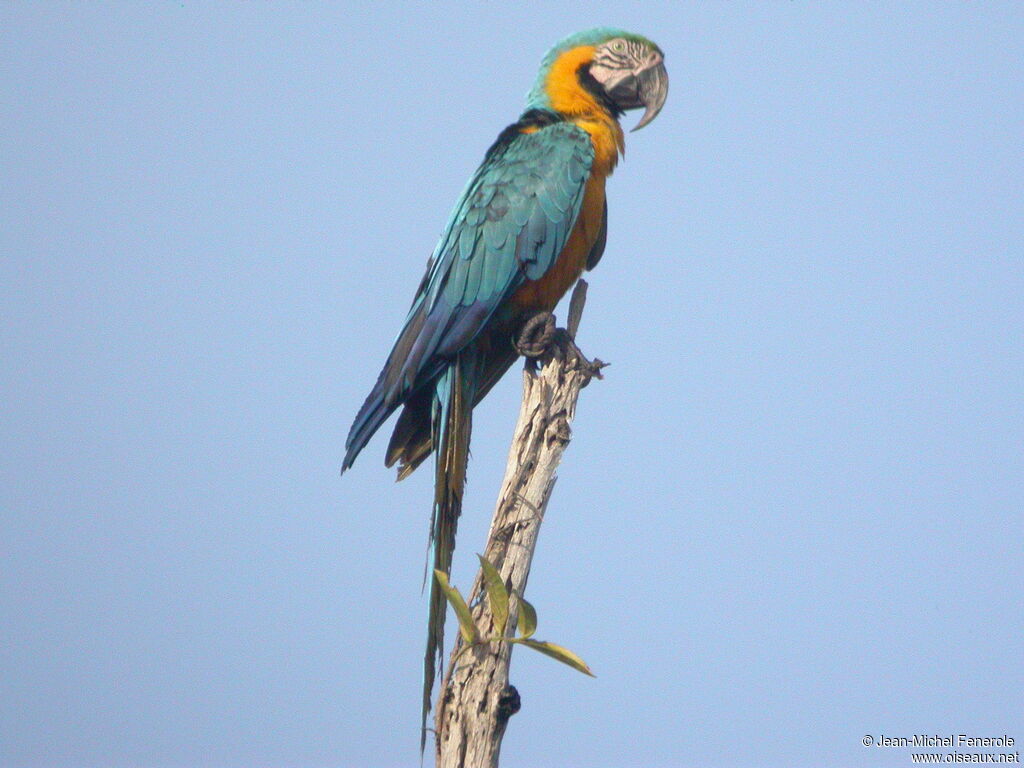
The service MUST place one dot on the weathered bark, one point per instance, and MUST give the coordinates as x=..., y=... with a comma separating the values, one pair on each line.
x=476, y=699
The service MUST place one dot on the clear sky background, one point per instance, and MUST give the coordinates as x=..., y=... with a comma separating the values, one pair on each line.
x=791, y=514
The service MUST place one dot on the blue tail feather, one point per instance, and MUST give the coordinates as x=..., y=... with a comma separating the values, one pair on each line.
x=452, y=426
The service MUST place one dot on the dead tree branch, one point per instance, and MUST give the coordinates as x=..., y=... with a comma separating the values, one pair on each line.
x=476, y=700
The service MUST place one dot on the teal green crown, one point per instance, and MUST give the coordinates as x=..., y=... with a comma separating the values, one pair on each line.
x=537, y=98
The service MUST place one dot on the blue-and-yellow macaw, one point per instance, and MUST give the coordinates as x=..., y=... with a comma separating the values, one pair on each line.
x=531, y=219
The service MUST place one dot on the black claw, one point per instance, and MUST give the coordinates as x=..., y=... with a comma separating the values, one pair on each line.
x=536, y=335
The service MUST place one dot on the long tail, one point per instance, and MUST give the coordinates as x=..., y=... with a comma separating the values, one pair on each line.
x=452, y=419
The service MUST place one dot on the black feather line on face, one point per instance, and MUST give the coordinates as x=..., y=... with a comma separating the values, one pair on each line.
x=594, y=88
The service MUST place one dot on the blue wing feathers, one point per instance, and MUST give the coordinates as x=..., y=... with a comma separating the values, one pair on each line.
x=456, y=284
x=467, y=241
x=475, y=267
x=509, y=225
x=495, y=235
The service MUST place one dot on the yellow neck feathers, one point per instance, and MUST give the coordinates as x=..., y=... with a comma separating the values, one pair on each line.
x=579, y=106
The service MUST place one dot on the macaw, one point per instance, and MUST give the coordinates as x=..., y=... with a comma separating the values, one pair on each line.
x=528, y=223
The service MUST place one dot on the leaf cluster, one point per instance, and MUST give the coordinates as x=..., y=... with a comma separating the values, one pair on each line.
x=498, y=597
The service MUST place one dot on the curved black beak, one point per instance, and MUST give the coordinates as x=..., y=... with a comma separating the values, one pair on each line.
x=646, y=85
x=652, y=88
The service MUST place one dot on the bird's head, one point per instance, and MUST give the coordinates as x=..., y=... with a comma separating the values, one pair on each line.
x=619, y=70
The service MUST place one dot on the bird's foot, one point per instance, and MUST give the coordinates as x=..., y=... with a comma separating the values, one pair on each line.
x=539, y=337
x=536, y=335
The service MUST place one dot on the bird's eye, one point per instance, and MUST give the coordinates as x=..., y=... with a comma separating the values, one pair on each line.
x=619, y=46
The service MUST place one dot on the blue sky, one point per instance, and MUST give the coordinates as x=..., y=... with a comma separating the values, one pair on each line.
x=790, y=516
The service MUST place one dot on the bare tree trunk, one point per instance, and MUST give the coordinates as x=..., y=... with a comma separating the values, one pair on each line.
x=476, y=700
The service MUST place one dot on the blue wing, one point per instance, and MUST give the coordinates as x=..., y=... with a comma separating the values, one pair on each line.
x=509, y=226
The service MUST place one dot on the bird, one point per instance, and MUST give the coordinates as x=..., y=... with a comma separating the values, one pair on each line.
x=531, y=219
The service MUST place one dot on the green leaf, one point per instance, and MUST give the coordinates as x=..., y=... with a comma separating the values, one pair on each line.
x=563, y=655
x=466, y=624
x=497, y=595
x=527, y=619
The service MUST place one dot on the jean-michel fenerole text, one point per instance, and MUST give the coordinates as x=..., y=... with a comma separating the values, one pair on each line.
x=935, y=740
